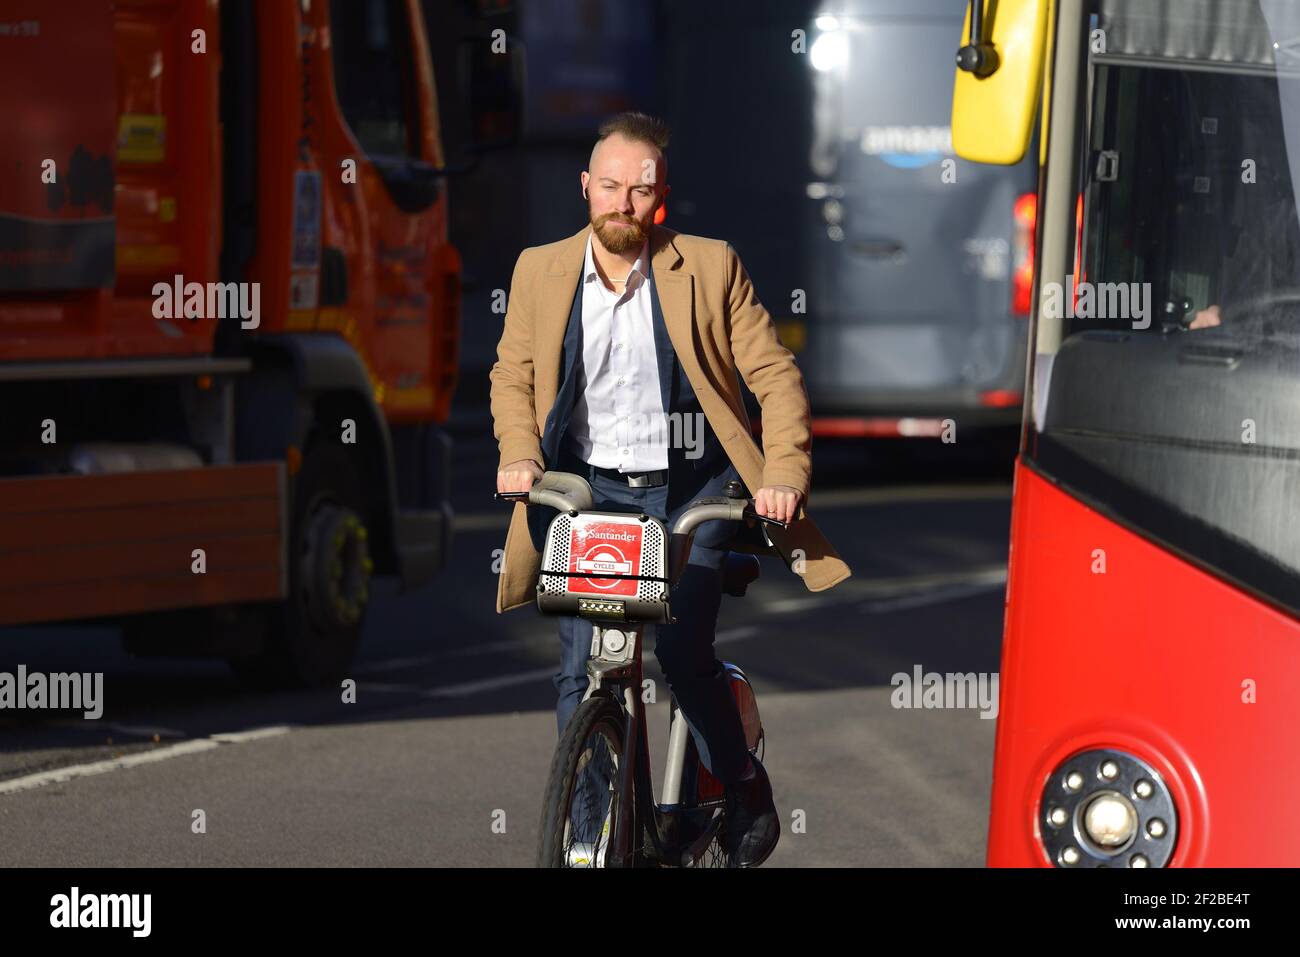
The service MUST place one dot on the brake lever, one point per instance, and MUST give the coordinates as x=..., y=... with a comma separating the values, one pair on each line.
x=751, y=514
x=510, y=496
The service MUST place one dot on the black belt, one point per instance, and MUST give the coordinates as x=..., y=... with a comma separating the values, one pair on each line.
x=571, y=461
x=633, y=479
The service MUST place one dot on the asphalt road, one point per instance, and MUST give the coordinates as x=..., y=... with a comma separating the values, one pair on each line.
x=442, y=759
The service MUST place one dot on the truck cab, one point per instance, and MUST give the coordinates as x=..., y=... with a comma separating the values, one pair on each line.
x=229, y=322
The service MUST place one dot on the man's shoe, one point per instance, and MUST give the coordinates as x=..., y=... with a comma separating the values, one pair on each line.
x=753, y=827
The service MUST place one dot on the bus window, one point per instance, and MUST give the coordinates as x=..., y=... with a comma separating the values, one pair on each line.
x=1201, y=204
x=1184, y=428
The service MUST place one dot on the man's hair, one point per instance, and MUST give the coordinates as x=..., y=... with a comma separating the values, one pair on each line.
x=638, y=127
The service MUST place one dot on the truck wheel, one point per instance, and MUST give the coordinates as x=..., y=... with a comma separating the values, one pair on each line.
x=315, y=631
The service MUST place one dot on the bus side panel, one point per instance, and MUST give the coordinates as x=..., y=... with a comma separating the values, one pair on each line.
x=1112, y=641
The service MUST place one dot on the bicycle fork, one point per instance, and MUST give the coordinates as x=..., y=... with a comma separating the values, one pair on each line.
x=614, y=668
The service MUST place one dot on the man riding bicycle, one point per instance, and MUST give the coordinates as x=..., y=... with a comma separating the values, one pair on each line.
x=619, y=362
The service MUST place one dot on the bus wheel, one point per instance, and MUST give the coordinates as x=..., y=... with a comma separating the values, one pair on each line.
x=314, y=633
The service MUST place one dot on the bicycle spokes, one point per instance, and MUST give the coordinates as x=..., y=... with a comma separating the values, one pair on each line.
x=592, y=804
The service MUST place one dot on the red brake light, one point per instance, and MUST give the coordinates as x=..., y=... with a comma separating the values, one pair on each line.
x=1022, y=270
x=1078, y=245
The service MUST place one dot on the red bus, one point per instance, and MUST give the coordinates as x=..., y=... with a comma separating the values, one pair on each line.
x=1151, y=654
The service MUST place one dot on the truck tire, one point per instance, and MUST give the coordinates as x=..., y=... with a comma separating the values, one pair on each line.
x=313, y=634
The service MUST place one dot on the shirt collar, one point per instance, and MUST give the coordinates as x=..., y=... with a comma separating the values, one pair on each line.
x=589, y=268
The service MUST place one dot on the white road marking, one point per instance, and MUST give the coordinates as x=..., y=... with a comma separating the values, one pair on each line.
x=782, y=606
x=490, y=684
x=935, y=597
x=855, y=589
x=508, y=644
x=909, y=587
x=525, y=677
x=471, y=648
x=477, y=648
x=29, y=781
x=394, y=664
x=239, y=737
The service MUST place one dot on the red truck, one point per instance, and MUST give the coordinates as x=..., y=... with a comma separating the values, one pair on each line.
x=229, y=322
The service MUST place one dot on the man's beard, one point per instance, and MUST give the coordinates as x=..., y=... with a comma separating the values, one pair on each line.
x=619, y=239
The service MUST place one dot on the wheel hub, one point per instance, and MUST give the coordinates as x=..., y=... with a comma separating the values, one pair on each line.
x=336, y=567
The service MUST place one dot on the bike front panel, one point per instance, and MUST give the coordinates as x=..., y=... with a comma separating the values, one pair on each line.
x=606, y=566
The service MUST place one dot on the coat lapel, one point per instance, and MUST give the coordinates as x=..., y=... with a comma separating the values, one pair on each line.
x=672, y=301
x=559, y=286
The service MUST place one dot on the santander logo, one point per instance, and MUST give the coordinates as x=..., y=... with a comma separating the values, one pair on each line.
x=604, y=558
x=599, y=549
x=608, y=536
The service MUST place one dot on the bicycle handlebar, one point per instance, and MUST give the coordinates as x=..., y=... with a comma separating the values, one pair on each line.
x=572, y=493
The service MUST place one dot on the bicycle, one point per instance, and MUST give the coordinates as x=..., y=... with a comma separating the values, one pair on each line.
x=617, y=570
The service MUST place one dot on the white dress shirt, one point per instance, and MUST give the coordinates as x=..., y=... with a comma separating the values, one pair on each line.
x=618, y=417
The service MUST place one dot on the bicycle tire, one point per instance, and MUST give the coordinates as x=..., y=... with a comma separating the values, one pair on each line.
x=594, y=731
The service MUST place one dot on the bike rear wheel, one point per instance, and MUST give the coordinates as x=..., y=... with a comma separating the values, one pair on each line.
x=704, y=813
x=583, y=799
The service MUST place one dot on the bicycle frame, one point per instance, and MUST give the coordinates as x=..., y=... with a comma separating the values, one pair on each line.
x=614, y=669
x=618, y=675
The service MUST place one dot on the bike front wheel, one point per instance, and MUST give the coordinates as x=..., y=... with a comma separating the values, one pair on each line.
x=583, y=799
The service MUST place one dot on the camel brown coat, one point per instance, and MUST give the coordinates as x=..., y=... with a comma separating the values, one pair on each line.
x=718, y=328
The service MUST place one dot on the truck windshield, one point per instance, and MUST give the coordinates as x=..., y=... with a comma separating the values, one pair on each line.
x=1173, y=400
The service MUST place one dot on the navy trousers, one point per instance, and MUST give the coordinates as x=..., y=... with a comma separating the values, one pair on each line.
x=684, y=650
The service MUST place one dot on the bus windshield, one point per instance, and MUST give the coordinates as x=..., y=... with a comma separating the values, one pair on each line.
x=1173, y=399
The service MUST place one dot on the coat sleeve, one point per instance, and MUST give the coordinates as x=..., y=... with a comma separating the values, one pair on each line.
x=769, y=370
x=514, y=416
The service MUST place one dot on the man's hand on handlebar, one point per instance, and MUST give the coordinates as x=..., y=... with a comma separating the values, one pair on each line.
x=777, y=501
x=515, y=482
x=519, y=476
